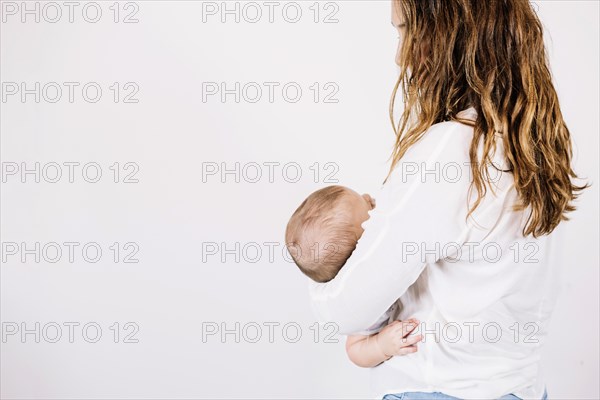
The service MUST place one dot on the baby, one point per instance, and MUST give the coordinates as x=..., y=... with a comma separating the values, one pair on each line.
x=320, y=236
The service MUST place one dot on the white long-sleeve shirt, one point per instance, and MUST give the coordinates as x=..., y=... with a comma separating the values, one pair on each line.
x=482, y=291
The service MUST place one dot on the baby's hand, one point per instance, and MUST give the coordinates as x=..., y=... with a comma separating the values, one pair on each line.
x=393, y=341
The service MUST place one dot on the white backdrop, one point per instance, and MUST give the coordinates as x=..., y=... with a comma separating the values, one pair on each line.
x=164, y=276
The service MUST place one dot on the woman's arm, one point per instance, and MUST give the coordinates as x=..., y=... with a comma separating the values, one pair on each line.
x=420, y=215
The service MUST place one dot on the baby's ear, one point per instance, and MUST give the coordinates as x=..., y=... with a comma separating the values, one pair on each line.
x=369, y=200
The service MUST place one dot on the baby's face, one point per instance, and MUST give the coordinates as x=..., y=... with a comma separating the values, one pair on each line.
x=358, y=207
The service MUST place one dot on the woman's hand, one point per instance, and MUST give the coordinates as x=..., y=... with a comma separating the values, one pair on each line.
x=393, y=341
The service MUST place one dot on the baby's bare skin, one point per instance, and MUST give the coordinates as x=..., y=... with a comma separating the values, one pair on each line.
x=370, y=351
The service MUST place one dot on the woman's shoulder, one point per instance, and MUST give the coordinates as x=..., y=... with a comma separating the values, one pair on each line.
x=438, y=164
x=452, y=127
x=446, y=140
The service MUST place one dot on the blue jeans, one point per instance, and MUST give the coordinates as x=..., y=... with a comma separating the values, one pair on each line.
x=440, y=396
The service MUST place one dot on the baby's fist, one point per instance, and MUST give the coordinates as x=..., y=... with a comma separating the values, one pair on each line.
x=393, y=341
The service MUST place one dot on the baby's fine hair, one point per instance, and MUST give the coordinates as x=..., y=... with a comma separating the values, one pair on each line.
x=320, y=236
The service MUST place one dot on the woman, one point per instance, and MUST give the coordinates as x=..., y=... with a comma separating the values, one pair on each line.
x=480, y=178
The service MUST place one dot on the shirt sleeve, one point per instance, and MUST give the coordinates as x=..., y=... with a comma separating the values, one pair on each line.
x=381, y=323
x=420, y=214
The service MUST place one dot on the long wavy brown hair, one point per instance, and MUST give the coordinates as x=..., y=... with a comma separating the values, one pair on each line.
x=490, y=55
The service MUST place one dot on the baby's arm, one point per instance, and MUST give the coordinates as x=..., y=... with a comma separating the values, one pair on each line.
x=370, y=351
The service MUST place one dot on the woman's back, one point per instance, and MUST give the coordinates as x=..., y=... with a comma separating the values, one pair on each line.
x=484, y=306
x=482, y=290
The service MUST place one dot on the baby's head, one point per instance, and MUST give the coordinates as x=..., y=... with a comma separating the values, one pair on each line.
x=323, y=232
